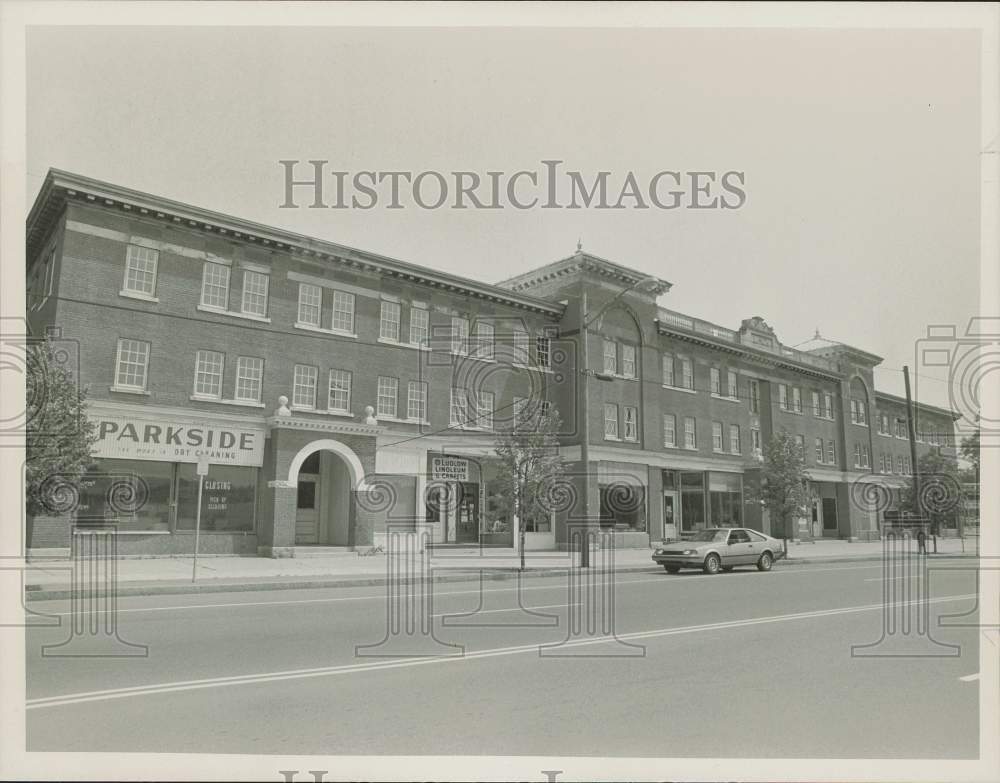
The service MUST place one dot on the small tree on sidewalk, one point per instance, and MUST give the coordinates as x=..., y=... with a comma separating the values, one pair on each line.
x=528, y=448
x=940, y=490
x=58, y=436
x=783, y=481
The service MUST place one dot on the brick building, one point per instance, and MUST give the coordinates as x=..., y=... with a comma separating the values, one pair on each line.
x=333, y=389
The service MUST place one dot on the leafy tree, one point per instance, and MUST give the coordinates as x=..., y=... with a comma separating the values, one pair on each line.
x=940, y=490
x=530, y=466
x=58, y=436
x=970, y=452
x=783, y=484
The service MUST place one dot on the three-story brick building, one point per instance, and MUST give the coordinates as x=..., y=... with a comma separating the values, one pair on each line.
x=334, y=390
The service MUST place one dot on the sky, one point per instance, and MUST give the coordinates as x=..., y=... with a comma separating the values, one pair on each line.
x=860, y=152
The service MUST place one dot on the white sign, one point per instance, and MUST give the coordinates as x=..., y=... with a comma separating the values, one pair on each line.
x=173, y=439
x=449, y=469
x=202, y=469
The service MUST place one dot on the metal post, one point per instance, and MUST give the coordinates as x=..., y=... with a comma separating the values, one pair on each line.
x=911, y=432
x=202, y=472
x=583, y=406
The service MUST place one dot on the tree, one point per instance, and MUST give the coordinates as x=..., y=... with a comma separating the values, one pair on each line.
x=970, y=453
x=530, y=466
x=783, y=481
x=940, y=490
x=58, y=436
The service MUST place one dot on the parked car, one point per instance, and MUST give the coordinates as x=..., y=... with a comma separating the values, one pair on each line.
x=720, y=549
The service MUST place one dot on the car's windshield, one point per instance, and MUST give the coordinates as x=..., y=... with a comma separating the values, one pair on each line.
x=711, y=534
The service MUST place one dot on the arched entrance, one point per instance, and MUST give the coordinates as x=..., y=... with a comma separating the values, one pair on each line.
x=326, y=474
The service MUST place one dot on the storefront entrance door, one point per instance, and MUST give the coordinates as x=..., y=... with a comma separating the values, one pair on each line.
x=829, y=516
x=306, y=511
x=468, y=514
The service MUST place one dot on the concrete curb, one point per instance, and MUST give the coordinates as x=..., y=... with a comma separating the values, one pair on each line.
x=308, y=583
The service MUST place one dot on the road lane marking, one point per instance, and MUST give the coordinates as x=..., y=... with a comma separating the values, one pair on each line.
x=970, y=677
x=381, y=596
x=331, y=671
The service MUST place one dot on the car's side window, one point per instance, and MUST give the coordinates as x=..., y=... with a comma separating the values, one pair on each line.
x=754, y=537
x=738, y=537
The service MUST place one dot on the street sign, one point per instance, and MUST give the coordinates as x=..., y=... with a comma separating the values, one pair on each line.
x=202, y=469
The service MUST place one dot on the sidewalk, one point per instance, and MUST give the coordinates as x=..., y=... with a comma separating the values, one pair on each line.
x=164, y=575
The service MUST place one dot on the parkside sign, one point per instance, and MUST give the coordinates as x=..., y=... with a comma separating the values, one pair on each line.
x=174, y=440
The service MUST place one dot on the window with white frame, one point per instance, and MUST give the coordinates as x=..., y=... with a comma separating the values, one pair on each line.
x=521, y=351
x=687, y=373
x=865, y=459
x=754, y=390
x=208, y=374
x=610, y=357
x=857, y=455
x=796, y=399
x=459, y=335
x=132, y=364
x=543, y=351
x=881, y=463
x=668, y=369
x=734, y=439
x=140, y=270
x=717, y=436
x=304, y=386
x=416, y=400
x=899, y=465
x=816, y=405
x=755, y=440
x=519, y=410
x=387, y=397
x=485, y=348
x=883, y=424
x=716, y=378
x=630, y=420
x=249, y=378
x=690, y=433
x=343, y=312
x=828, y=406
x=731, y=384
x=783, y=396
x=831, y=452
x=628, y=361
x=388, y=328
x=819, y=449
x=339, y=393
x=215, y=285
x=419, y=326
x=900, y=428
x=859, y=414
x=459, y=408
x=610, y=421
x=310, y=304
x=254, y=293
x=484, y=410
x=669, y=430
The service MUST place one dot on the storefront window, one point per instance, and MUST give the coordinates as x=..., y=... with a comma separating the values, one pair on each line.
x=692, y=501
x=623, y=506
x=227, y=500
x=134, y=495
x=726, y=499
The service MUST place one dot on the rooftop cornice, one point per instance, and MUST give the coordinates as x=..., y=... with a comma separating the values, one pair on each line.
x=584, y=262
x=61, y=186
x=919, y=405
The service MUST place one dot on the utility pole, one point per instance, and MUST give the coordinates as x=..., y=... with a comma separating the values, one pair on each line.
x=911, y=431
x=582, y=406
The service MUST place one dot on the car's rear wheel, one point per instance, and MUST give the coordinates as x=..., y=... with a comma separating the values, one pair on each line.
x=712, y=564
x=765, y=562
x=672, y=569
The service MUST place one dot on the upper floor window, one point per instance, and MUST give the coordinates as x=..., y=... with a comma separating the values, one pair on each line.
x=669, y=430
x=717, y=436
x=215, y=285
x=140, y=270
x=857, y=455
x=687, y=373
x=521, y=352
x=755, y=440
x=800, y=441
x=254, y=293
x=899, y=465
x=883, y=424
x=690, y=433
x=668, y=369
x=610, y=421
x=484, y=410
x=543, y=351
x=900, y=428
x=339, y=394
x=828, y=406
x=208, y=374
x=304, y=386
x=459, y=335
x=387, y=396
x=459, y=408
x=389, y=322
x=831, y=452
x=416, y=401
x=630, y=417
x=859, y=414
x=796, y=399
x=816, y=406
x=628, y=361
x=783, y=396
x=419, y=326
x=731, y=384
x=249, y=377
x=131, y=365
x=40, y=284
x=754, y=396
x=343, y=312
x=716, y=381
x=485, y=347
x=734, y=438
x=310, y=304
x=610, y=357
x=819, y=449
x=865, y=458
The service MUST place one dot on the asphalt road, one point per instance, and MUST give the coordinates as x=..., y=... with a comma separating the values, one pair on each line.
x=743, y=664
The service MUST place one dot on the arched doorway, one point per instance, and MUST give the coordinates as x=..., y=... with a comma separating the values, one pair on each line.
x=326, y=477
